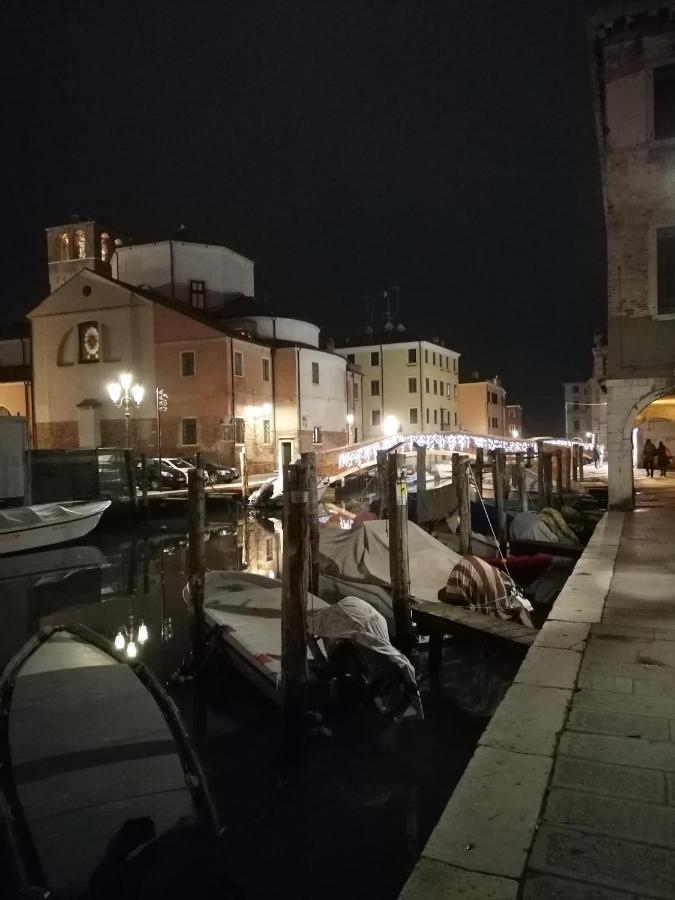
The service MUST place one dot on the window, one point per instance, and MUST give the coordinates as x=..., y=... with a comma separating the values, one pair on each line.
x=89, y=342
x=188, y=432
x=665, y=270
x=575, y=405
x=375, y=358
x=493, y=397
x=435, y=417
x=435, y=386
x=440, y=388
x=64, y=247
x=426, y=385
x=351, y=358
x=266, y=431
x=454, y=364
x=239, y=363
x=105, y=247
x=412, y=356
x=80, y=244
x=575, y=425
x=356, y=390
x=265, y=369
x=269, y=549
x=315, y=373
x=455, y=420
x=454, y=391
x=239, y=430
x=664, y=102
x=316, y=435
x=187, y=363
x=374, y=388
x=426, y=356
x=356, y=435
x=413, y=415
x=197, y=294
x=375, y=417
x=412, y=385
x=427, y=415
x=433, y=359
x=575, y=389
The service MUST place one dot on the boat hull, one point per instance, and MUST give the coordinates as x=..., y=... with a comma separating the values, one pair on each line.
x=48, y=534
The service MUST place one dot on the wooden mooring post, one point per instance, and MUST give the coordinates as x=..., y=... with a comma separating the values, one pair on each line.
x=460, y=477
x=144, y=485
x=295, y=582
x=541, y=475
x=382, y=481
x=309, y=460
x=478, y=470
x=498, y=486
x=559, y=491
x=581, y=463
x=197, y=560
x=567, y=468
x=421, y=467
x=548, y=480
x=398, y=555
x=521, y=482
x=575, y=464
x=243, y=469
x=129, y=470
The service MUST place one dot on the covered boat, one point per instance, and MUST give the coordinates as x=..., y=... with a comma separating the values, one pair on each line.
x=356, y=563
x=101, y=792
x=33, y=527
x=271, y=493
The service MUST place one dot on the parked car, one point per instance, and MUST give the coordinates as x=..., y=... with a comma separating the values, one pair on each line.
x=218, y=474
x=167, y=478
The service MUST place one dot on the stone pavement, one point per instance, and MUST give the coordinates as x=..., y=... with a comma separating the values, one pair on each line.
x=571, y=792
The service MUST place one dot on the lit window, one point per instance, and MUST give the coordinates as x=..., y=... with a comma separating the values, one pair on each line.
x=105, y=247
x=412, y=356
x=375, y=417
x=187, y=363
x=413, y=415
x=316, y=435
x=315, y=373
x=239, y=363
x=197, y=294
x=374, y=359
x=412, y=385
x=64, y=247
x=188, y=432
x=266, y=432
x=265, y=369
x=80, y=244
x=375, y=388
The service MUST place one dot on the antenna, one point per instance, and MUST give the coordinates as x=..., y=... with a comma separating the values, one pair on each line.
x=388, y=324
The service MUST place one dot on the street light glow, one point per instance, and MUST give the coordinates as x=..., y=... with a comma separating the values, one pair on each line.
x=515, y=433
x=349, y=419
x=390, y=425
x=115, y=391
x=125, y=380
x=137, y=393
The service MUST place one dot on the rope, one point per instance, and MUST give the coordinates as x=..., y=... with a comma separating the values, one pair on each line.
x=480, y=497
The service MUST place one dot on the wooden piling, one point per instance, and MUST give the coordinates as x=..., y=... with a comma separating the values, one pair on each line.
x=131, y=479
x=197, y=559
x=144, y=485
x=575, y=464
x=521, y=483
x=498, y=489
x=243, y=469
x=541, y=475
x=478, y=470
x=382, y=482
x=460, y=477
x=559, y=491
x=421, y=468
x=398, y=555
x=294, y=600
x=581, y=463
x=567, y=468
x=309, y=460
x=548, y=480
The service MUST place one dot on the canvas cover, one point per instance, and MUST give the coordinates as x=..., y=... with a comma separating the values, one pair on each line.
x=361, y=556
x=528, y=526
x=476, y=584
x=22, y=517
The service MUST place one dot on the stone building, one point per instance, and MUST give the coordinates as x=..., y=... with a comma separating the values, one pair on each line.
x=410, y=384
x=15, y=373
x=514, y=420
x=482, y=407
x=234, y=376
x=586, y=401
x=634, y=63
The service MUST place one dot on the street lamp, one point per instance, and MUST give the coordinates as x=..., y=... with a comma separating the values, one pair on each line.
x=161, y=406
x=390, y=425
x=126, y=397
x=515, y=433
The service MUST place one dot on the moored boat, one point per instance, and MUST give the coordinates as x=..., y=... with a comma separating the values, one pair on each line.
x=33, y=527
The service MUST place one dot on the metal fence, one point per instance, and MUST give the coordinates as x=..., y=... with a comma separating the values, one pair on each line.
x=59, y=475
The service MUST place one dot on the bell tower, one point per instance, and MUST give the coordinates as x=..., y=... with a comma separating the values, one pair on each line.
x=80, y=244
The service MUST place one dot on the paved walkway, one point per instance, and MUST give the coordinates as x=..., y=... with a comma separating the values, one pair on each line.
x=571, y=792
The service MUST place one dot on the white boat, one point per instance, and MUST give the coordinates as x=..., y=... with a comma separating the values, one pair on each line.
x=271, y=492
x=33, y=527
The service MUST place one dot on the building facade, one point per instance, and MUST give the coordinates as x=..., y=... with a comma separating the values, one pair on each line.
x=634, y=62
x=514, y=420
x=482, y=407
x=586, y=401
x=408, y=385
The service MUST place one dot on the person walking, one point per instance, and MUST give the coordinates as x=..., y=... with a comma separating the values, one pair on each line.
x=596, y=456
x=663, y=455
x=648, y=457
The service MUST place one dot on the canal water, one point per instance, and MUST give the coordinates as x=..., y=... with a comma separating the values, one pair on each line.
x=351, y=820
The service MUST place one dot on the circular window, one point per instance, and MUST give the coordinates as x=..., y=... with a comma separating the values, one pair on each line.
x=86, y=290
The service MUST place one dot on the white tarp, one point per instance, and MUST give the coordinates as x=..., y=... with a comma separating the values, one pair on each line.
x=527, y=526
x=361, y=556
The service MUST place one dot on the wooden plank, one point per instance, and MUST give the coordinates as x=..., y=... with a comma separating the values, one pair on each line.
x=456, y=619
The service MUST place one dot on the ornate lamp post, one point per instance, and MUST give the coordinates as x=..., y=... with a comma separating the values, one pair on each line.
x=126, y=397
x=161, y=406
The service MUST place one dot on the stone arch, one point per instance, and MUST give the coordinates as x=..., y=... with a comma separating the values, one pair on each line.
x=67, y=352
x=4, y=411
x=79, y=244
x=640, y=405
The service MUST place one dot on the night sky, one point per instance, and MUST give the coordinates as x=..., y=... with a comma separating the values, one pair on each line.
x=448, y=148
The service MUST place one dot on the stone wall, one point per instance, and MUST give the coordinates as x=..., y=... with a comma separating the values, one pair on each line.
x=56, y=435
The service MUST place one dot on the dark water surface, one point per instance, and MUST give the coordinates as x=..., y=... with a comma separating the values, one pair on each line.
x=348, y=823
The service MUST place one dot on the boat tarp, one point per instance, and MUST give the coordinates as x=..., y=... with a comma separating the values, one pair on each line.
x=362, y=556
x=355, y=620
x=436, y=503
x=22, y=517
x=482, y=588
x=528, y=526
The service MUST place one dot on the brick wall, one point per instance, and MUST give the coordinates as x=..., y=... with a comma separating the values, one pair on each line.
x=57, y=435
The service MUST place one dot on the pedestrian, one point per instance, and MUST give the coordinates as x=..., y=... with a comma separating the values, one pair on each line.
x=596, y=456
x=663, y=455
x=648, y=456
